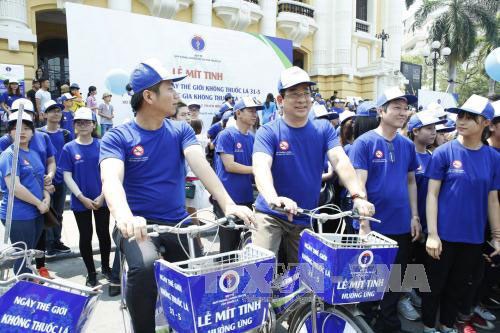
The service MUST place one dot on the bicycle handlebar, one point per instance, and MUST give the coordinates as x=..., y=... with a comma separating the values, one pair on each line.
x=323, y=217
x=228, y=222
x=12, y=253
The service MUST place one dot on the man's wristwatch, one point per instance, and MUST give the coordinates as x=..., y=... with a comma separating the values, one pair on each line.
x=358, y=196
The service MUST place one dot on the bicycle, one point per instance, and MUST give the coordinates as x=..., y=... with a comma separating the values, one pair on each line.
x=31, y=303
x=327, y=270
x=290, y=299
x=164, y=320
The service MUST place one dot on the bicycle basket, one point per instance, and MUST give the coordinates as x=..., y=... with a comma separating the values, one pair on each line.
x=342, y=268
x=228, y=291
x=55, y=306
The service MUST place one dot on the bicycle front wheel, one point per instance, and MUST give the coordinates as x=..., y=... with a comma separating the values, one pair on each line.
x=328, y=320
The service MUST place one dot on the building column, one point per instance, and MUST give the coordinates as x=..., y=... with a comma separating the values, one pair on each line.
x=14, y=23
x=321, y=50
x=342, y=33
x=202, y=12
x=392, y=19
x=268, y=20
x=124, y=5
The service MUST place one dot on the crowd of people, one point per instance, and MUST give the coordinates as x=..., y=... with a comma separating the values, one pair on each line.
x=431, y=176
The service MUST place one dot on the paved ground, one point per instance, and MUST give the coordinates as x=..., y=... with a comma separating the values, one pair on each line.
x=107, y=315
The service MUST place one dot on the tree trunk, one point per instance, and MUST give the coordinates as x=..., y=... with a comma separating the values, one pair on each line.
x=491, y=86
x=452, y=75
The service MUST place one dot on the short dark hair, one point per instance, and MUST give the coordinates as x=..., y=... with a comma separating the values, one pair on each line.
x=197, y=125
x=43, y=79
x=35, y=81
x=363, y=125
x=137, y=99
x=12, y=125
x=179, y=105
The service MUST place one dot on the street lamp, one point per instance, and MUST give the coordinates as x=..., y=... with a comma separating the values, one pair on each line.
x=383, y=36
x=437, y=57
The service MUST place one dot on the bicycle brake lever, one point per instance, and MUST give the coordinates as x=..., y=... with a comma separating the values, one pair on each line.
x=358, y=217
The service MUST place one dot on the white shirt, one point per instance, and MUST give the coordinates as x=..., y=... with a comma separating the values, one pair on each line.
x=43, y=96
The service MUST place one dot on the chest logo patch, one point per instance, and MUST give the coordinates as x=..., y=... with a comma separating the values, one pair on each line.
x=239, y=145
x=78, y=157
x=284, y=146
x=379, y=154
x=138, y=150
x=457, y=164
x=26, y=162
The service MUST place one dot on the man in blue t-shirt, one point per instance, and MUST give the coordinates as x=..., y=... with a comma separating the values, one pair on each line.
x=142, y=171
x=385, y=162
x=288, y=161
x=234, y=164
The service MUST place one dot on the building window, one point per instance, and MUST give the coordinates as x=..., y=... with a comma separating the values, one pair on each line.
x=362, y=10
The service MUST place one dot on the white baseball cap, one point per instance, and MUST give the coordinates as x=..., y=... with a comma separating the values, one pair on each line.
x=28, y=105
x=83, y=113
x=436, y=109
x=67, y=96
x=292, y=76
x=25, y=116
x=248, y=102
x=150, y=72
x=496, y=106
x=51, y=104
x=346, y=115
x=12, y=80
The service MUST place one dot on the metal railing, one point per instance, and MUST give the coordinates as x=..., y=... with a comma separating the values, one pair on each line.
x=253, y=1
x=295, y=8
x=362, y=26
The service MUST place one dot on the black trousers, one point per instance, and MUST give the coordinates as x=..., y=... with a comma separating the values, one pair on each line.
x=229, y=240
x=451, y=279
x=387, y=319
x=84, y=223
x=141, y=291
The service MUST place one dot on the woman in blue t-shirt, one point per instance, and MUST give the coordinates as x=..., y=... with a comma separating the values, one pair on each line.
x=80, y=163
x=13, y=92
x=269, y=109
x=463, y=181
x=30, y=198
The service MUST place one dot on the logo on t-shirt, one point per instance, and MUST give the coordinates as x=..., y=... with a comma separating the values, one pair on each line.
x=78, y=157
x=26, y=162
x=138, y=150
x=456, y=167
x=379, y=154
x=457, y=164
x=238, y=145
x=284, y=146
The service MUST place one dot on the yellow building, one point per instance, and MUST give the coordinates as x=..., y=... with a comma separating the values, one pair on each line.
x=334, y=40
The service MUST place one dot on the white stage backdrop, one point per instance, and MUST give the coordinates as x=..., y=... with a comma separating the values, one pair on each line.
x=105, y=45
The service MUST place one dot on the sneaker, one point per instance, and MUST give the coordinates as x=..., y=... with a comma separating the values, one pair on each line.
x=44, y=272
x=106, y=272
x=91, y=280
x=416, y=300
x=60, y=247
x=448, y=330
x=50, y=253
x=114, y=289
x=465, y=327
x=406, y=309
x=430, y=330
x=485, y=314
x=479, y=322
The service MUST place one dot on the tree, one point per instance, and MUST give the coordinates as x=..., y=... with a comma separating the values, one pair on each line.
x=457, y=25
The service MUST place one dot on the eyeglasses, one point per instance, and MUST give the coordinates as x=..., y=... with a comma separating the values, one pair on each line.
x=298, y=95
x=392, y=155
x=81, y=122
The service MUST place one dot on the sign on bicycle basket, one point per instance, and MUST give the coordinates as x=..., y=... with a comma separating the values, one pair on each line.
x=228, y=292
x=343, y=269
x=31, y=307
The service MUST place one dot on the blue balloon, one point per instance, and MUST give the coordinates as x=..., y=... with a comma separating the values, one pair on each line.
x=492, y=64
x=116, y=81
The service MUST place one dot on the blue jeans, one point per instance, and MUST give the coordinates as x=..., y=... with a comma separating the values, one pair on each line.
x=27, y=231
x=105, y=128
x=53, y=235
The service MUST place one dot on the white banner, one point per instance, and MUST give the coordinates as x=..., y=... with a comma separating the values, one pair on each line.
x=105, y=45
x=446, y=100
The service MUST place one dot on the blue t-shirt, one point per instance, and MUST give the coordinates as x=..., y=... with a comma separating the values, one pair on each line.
x=58, y=139
x=154, y=167
x=9, y=99
x=467, y=176
x=422, y=180
x=268, y=112
x=67, y=122
x=214, y=130
x=30, y=170
x=231, y=141
x=298, y=159
x=388, y=164
x=40, y=143
x=83, y=163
